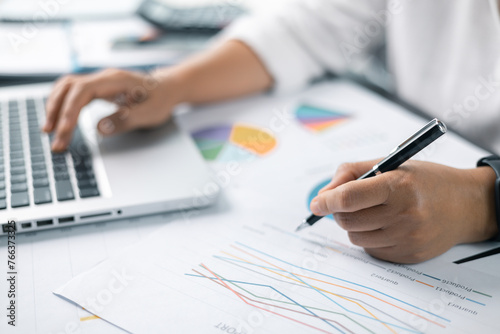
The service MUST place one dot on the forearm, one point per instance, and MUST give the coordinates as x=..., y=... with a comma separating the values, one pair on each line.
x=227, y=71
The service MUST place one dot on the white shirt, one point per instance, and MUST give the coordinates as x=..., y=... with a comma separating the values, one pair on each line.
x=443, y=54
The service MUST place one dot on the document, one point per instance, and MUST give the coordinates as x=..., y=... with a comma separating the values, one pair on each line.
x=246, y=272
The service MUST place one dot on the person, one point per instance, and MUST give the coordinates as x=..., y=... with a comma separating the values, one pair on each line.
x=443, y=56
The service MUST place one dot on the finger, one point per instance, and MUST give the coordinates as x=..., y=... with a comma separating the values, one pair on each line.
x=399, y=254
x=373, y=239
x=55, y=100
x=390, y=254
x=348, y=172
x=353, y=196
x=370, y=219
x=100, y=85
x=121, y=121
x=79, y=96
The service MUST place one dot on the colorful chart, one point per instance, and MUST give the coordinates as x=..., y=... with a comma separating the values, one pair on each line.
x=315, y=192
x=233, y=142
x=318, y=119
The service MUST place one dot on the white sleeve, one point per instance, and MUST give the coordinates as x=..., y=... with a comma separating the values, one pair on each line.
x=306, y=39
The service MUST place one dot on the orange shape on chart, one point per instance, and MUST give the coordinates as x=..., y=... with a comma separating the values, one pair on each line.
x=252, y=139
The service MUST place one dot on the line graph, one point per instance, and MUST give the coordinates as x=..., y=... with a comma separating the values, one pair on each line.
x=342, y=280
x=329, y=298
x=289, y=282
x=365, y=309
x=268, y=280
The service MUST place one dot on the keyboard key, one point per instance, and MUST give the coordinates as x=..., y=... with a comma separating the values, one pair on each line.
x=89, y=192
x=87, y=183
x=82, y=165
x=17, y=170
x=19, y=178
x=35, y=142
x=59, y=165
x=36, y=150
x=16, y=155
x=37, y=158
x=42, y=195
x=3, y=204
x=64, y=190
x=58, y=158
x=85, y=175
x=2, y=194
x=38, y=166
x=2, y=184
x=42, y=182
x=61, y=176
x=16, y=147
x=17, y=163
x=19, y=199
x=18, y=187
x=39, y=174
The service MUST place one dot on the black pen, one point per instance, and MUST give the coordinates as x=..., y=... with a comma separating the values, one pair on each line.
x=407, y=149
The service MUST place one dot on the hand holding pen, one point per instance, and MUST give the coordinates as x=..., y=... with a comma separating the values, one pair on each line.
x=411, y=213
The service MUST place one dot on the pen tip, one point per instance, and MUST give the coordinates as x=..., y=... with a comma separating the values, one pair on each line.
x=302, y=226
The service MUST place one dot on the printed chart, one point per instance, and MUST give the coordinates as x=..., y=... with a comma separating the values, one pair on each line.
x=261, y=278
x=335, y=298
x=237, y=142
x=318, y=119
x=315, y=192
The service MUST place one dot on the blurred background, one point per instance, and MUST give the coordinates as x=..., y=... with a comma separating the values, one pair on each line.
x=43, y=39
x=47, y=38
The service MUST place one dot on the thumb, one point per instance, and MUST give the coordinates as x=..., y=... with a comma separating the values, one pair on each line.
x=119, y=122
x=349, y=172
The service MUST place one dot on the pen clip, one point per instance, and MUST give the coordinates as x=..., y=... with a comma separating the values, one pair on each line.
x=420, y=132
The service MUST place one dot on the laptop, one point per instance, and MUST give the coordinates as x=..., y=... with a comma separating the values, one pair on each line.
x=138, y=173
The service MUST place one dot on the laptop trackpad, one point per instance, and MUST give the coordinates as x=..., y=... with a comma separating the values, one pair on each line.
x=149, y=159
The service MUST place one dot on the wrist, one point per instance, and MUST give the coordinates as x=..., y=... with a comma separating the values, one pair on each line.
x=483, y=221
x=173, y=83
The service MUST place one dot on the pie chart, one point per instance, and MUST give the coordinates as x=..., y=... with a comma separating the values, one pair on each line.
x=318, y=119
x=314, y=192
x=238, y=142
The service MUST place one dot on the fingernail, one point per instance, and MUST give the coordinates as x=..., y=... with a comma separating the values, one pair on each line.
x=106, y=126
x=315, y=207
x=47, y=127
x=57, y=145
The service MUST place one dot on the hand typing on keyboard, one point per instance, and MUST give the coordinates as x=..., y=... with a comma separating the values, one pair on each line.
x=141, y=102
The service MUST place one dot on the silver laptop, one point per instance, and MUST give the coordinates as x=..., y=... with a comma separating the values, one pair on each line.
x=138, y=173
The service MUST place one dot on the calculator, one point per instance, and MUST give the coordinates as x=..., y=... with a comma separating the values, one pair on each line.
x=208, y=19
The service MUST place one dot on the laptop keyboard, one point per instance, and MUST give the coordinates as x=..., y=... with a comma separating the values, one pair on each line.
x=32, y=179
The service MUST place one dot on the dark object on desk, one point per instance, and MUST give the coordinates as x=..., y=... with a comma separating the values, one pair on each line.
x=400, y=154
x=479, y=256
x=203, y=19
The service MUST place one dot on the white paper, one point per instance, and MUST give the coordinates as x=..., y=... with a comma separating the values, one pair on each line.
x=72, y=9
x=28, y=50
x=47, y=259
x=249, y=273
x=93, y=44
